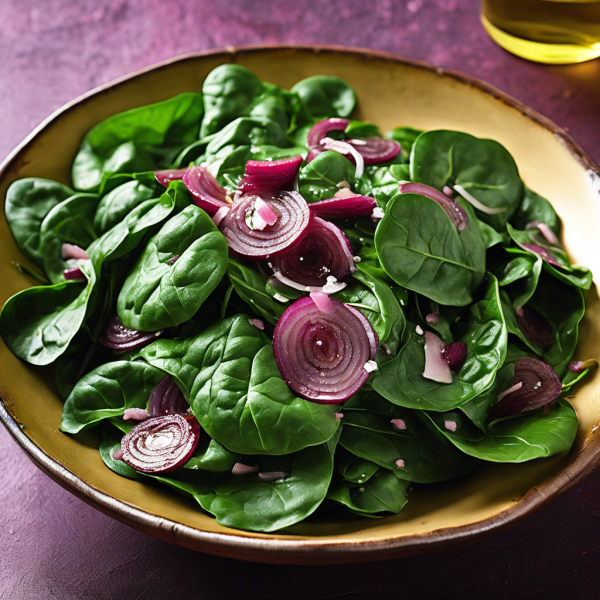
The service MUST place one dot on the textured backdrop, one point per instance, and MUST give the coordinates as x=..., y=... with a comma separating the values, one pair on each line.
x=52, y=545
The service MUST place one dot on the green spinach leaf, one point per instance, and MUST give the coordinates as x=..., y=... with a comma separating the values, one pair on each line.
x=318, y=180
x=326, y=96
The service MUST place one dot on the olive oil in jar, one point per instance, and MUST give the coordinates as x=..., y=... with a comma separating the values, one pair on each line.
x=547, y=31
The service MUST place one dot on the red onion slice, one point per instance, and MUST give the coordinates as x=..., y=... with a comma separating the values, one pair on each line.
x=432, y=318
x=69, y=251
x=346, y=149
x=270, y=175
x=376, y=150
x=205, y=189
x=161, y=444
x=452, y=208
x=167, y=399
x=510, y=390
x=165, y=177
x=546, y=232
x=322, y=356
x=541, y=252
x=436, y=367
x=534, y=327
x=218, y=216
x=293, y=219
x=320, y=130
x=455, y=355
x=540, y=387
x=323, y=256
x=323, y=302
x=241, y=469
x=74, y=273
x=119, y=338
x=344, y=207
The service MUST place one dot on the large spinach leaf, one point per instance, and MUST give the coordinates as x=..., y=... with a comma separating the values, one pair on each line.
x=326, y=96
x=136, y=140
x=28, y=201
x=229, y=374
x=406, y=137
x=68, y=222
x=530, y=436
x=106, y=392
x=421, y=249
x=520, y=275
x=483, y=331
x=482, y=167
x=534, y=207
x=368, y=432
x=318, y=180
x=212, y=457
x=382, y=181
x=181, y=265
x=228, y=91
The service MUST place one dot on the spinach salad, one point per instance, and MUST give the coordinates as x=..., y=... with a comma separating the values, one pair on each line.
x=275, y=309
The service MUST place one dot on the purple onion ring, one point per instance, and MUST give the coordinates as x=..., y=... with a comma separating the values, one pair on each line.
x=119, y=338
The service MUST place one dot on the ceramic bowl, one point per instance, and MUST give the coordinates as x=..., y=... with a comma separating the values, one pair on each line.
x=392, y=92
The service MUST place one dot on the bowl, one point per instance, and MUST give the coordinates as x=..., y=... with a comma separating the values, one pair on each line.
x=392, y=92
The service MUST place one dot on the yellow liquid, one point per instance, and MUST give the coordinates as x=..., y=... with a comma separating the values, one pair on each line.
x=548, y=31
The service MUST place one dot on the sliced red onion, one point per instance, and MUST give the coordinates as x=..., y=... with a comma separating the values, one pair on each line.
x=541, y=252
x=218, y=216
x=161, y=444
x=240, y=469
x=478, y=205
x=534, y=327
x=205, y=189
x=68, y=251
x=450, y=425
x=452, y=208
x=455, y=355
x=541, y=386
x=432, y=318
x=293, y=219
x=273, y=475
x=265, y=212
x=338, y=415
x=135, y=414
x=376, y=150
x=345, y=148
x=167, y=399
x=320, y=130
x=119, y=338
x=270, y=175
x=343, y=207
x=321, y=355
x=345, y=192
x=74, y=273
x=165, y=177
x=580, y=366
x=257, y=323
x=510, y=390
x=323, y=302
x=323, y=256
x=118, y=454
x=436, y=368
x=399, y=424
x=545, y=231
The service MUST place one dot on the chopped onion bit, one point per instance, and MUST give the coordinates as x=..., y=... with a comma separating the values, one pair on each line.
x=436, y=367
x=399, y=424
x=479, y=205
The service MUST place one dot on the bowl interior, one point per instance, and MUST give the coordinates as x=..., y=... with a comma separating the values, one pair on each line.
x=391, y=93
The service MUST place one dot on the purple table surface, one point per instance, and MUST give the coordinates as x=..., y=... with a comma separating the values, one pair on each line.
x=53, y=545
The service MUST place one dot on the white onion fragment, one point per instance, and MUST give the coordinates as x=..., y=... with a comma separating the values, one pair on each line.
x=338, y=415
x=135, y=414
x=450, y=425
x=400, y=463
x=273, y=475
x=345, y=148
x=399, y=424
x=218, y=216
x=478, y=205
x=514, y=388
x=323, y=302
x=241, y=469
x=436, y=368
x=257, y=323
x=68, y=251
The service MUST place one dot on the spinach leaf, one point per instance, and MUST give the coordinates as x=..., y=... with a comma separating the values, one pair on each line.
x=367, y=432
x=353, y=469
x=375, y=299
x=484, y=332
x=530, y=436
x=160, y=293
x=245, y=131
x=212, y=457
x=119, y=202
x=229, y=374
x=520, y=275
x=68, y=222
x=106, y=392
x=406, y=137
x=563, y=307
x=571, y=275
x=512, y=325
x=27, y=203
x=382, y=493
x=136, y=140
x=421, y=249
x=571, y=378
x=381, y=182
x=482, y=167
x=326, y=96
x=318, y=180
x=38, y=323
x=228, y=91
x=534, y=207
x=251, y=287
